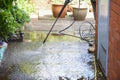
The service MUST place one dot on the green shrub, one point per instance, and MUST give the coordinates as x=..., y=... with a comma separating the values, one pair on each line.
x=58, y=1
x=26, y=5
x=20, y=15
x=7, y=24
x=12, y=18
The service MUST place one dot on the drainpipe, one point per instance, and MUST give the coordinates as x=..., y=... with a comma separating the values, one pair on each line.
x=94, y=7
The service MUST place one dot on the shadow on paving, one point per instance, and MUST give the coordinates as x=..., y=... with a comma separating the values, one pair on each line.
x=61, y=58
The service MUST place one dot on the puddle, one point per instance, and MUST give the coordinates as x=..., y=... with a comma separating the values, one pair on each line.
x=36, y=36
x=61, y=58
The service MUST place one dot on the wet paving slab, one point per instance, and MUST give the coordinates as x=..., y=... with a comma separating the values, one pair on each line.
x=55, y=60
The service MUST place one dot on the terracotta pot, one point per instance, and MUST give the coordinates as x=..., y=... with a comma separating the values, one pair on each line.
x=79, y=13
x=56, y=8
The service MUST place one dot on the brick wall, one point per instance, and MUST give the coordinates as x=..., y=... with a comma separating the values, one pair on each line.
x=114, y=41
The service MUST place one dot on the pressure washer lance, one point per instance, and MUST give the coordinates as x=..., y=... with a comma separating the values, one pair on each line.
x=65, y=3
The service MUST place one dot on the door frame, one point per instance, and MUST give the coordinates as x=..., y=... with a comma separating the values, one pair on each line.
x=99, y=42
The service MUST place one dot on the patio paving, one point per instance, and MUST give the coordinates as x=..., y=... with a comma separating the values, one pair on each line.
x=46, y=20
x=60, y=58
x=53, y=61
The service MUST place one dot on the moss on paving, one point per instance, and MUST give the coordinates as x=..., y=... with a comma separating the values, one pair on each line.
x=27, y=67
x=40, y=36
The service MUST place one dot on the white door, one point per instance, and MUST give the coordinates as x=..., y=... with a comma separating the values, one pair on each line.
x=103, y=29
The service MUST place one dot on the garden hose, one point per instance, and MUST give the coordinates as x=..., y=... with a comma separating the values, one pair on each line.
x=92, y=28
x=81, y=26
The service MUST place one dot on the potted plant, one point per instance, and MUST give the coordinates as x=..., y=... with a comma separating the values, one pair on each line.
x=79, y=12
x=57, y=6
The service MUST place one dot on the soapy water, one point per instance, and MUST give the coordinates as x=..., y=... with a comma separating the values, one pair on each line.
x=51, y=61
x=65, y=60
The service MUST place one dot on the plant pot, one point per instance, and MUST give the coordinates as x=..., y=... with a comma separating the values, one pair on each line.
x=16, y=37
x=79, y=13
x=56, y=8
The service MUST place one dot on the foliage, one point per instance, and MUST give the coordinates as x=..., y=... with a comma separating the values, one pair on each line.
x=26, y=5
x=87, y=1
x=77, y=1
x=7, y=23
x=58, y=1
x=12, y=18
x=5, y=4
x=20, y=15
